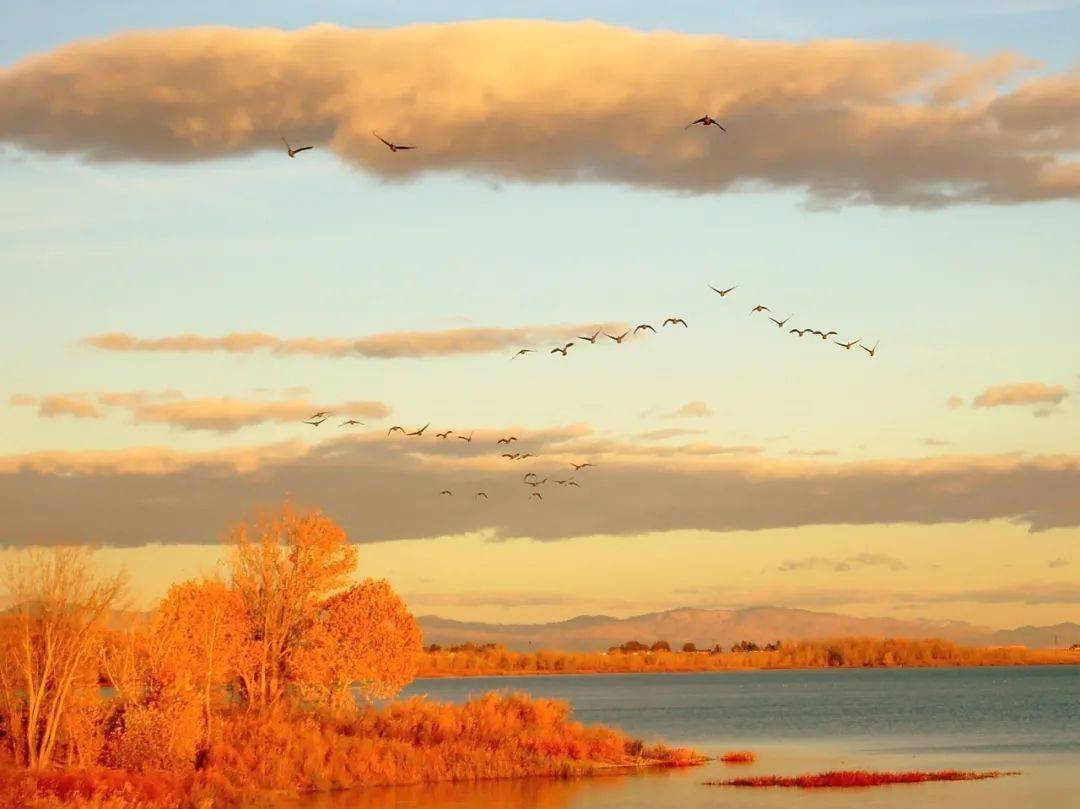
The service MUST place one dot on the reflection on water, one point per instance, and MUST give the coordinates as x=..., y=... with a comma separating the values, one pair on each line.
x=797, y=721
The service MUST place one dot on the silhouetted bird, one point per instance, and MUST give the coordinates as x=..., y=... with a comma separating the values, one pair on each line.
x=393, y=147
x=706, y=120
x=294, y=152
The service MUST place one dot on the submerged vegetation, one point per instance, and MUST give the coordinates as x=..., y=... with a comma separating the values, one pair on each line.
x=491, y=659
x=858, y=778
x=262, y=681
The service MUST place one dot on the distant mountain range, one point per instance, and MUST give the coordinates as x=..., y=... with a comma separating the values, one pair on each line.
x=707, y=627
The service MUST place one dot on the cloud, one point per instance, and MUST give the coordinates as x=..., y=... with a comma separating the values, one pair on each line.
x=667, y=432
x=1059, y=562
x=842, y=565
x=694, y=410
x=889, y=123
x=954, y=401
x=1021, y=393
x=387, y=488
x=813, y=453
x=77, y=405
x=387, y=345
x=936, y=442
x=221, y=414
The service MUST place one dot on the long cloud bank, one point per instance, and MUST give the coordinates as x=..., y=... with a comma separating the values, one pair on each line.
x=387, y=488
x=883, y=122
x=384, y=345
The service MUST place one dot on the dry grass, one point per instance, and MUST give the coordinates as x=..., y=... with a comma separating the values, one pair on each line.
x=738, y=757
x=857, y=778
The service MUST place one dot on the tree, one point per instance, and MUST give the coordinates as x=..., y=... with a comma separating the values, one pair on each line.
x=689, y=647
x=204, y=629
x=50, y=643
x=661, y=646
x=283, y=565
x=364, y=636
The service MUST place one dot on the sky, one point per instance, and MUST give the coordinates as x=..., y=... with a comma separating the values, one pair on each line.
x=180, y=296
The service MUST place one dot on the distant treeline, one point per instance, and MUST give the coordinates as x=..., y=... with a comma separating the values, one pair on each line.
x=490, y=658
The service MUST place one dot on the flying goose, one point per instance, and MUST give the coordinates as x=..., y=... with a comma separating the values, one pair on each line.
x=760, y=308
x=620, y=338
x=562, y=350
x=643, y=327
x=722, y=292
x=395, y=428
x=579, y=466
x=444, y=435
x=509, y=439
x=674, y=321
x=393, y=147
x=420, y=431
x=523, y=351
x=781, y=323
x=466, y=438
x=590, y=339
x=447, y=491
x=870, y=351
x=847, y=346
x=294, y=152
x=351, y=422
x=706, y=120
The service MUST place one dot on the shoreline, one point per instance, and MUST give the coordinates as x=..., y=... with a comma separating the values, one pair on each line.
x=471, y=675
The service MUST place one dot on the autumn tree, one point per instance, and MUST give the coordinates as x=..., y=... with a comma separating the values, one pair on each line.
x=364, y=636
x=50, y=642
x=284, y=564
x=203, y=628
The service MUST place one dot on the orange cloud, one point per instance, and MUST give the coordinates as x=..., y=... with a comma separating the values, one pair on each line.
x=892, y=123
x=222, y=414
x=77, y=405
x=387, y=345
x=1021, y=393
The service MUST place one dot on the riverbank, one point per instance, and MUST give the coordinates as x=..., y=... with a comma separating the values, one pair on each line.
x=494, y=661
x=251, y=756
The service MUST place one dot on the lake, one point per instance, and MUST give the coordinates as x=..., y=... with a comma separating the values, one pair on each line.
x=1015, y=718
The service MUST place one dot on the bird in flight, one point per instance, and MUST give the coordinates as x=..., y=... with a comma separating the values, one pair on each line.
x=674, y=321
x=781, y=323
x=537, y=495
x=511, y=456
x=481, y=494
x=447, y=491
x=320, y=414
x=535, y=483
x=590, y=339
x=315, y=422
x=395, y=428
x=870, y=351
x=760, y=308
x=351, y=422
x=421, y=430
x=847, y=346
x=444, y=435
x=526, y=455
x=722, y=292
x=620, y=338
x=294, y=152
x=393, y=147
x=579, y=466
x=528, y=475
x=643, y=327
x=509, y=439
x=466, y=438
x=573, y=483
x=799, y=332
x=824, y=335
x=523, y=351
x=706, y=120
x=562, y=350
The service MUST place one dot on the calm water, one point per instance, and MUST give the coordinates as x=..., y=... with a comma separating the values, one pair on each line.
x=1024, y=719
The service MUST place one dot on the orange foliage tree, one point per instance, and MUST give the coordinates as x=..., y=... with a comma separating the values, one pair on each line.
x=365, y=636
x=284, y=564
x=204, y=630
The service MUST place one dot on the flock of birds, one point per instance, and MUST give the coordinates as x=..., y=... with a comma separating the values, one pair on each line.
x=532, y=479
x=678, y=321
